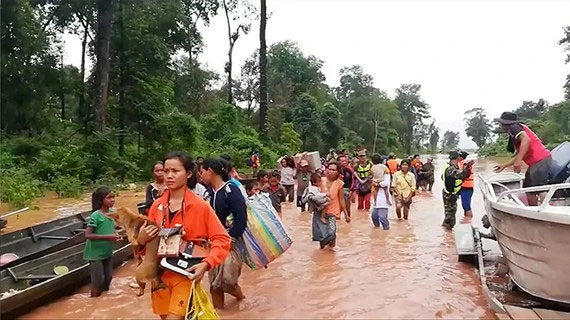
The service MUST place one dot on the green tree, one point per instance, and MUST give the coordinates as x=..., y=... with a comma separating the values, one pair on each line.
x=329, y=118
x=306, y=121
x=240, y=12
x=105, y=10
x=433, y=133
x=450, y=140
x=532, y=110
x=477, y=126
x=414, y=112
x=29, y=74
x=263, y=69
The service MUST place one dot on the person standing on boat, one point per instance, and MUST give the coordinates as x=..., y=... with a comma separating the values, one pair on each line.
x=453, y=178
x=466, y=192
x=530, y=150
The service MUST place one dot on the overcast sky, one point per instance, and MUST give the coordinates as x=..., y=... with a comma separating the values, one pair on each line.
x=465, y=54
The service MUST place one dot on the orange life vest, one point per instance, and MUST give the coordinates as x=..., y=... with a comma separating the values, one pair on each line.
x=469, y=182
x=392, y=165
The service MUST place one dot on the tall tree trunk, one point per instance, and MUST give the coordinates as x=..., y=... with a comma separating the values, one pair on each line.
x=82, y=88
x=230, y=53
x=104, y=28
x=191, y=37
x=122, y=81
x=375, y=134
x=263, y=70
x=229, y=70
x=62, y=87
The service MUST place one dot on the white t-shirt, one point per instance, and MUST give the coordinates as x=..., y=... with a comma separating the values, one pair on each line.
x=381, y=196
x=287, y=176
x=199, y=190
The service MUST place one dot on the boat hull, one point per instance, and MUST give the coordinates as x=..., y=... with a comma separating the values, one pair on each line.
x=42, y=239
x=36, y=295
x=536, y=250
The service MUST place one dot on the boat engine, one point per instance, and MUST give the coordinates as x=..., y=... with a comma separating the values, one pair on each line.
x=560, y=169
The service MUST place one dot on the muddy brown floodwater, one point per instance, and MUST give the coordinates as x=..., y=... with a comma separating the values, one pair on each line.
x=409, y=271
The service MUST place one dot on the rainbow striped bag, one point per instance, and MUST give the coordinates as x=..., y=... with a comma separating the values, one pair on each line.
x=264, y=238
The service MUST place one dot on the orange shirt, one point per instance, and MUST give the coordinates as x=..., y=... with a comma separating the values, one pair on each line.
x=200, y=223
x=334, y=206
x=392, y=165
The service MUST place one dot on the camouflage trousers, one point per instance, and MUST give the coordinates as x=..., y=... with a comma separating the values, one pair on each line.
x=450, y=209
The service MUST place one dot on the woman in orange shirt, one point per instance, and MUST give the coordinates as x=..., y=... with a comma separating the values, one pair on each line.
x=179, y=205
x=334, y=186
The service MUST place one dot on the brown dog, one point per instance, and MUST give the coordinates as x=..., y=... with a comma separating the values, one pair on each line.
x=147, y=270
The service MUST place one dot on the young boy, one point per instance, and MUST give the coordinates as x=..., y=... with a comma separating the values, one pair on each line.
x=317, y=200
x=277, y=192
x=252, y=188
x=378, y=172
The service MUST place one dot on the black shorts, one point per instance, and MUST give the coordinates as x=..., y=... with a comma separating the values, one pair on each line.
x=538, y=174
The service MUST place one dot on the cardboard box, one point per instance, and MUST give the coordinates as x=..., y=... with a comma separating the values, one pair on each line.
x=313, y=158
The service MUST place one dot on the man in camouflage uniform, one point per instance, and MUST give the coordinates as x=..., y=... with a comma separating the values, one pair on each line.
x=453, y=179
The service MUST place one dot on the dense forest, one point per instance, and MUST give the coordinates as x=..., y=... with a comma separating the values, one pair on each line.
x=65, y=128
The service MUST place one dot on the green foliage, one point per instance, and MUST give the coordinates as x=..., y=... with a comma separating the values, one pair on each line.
x=477, y=126
x=450, y=141
x=414, y=111
x=67, y=187
x=306, y=121
x=56, y=161
x=289, y=141
x=18, y=188
x=496, y=149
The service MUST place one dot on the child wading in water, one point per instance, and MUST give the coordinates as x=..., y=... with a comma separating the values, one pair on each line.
x=277, y=192
x=316, y=199
x=378, y=172
x=100, y=235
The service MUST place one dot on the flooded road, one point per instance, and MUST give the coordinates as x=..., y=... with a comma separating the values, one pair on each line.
x=409, y=271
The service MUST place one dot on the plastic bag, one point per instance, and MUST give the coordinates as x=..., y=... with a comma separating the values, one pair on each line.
x=200, y=305
x=264, y=238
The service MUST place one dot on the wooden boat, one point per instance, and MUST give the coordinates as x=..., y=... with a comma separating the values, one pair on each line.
x=45, y=238
x=33, y=283
x=533, y=239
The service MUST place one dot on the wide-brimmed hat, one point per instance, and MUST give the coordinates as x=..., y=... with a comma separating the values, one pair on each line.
x=304, y=163
x=508, y=118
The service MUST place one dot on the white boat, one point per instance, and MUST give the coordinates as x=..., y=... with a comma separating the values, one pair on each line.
x=534, y=240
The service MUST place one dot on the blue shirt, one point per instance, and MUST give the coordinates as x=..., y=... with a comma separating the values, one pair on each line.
x=229, y=201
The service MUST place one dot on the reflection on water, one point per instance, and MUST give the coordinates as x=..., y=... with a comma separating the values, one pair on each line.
x=409, y=271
